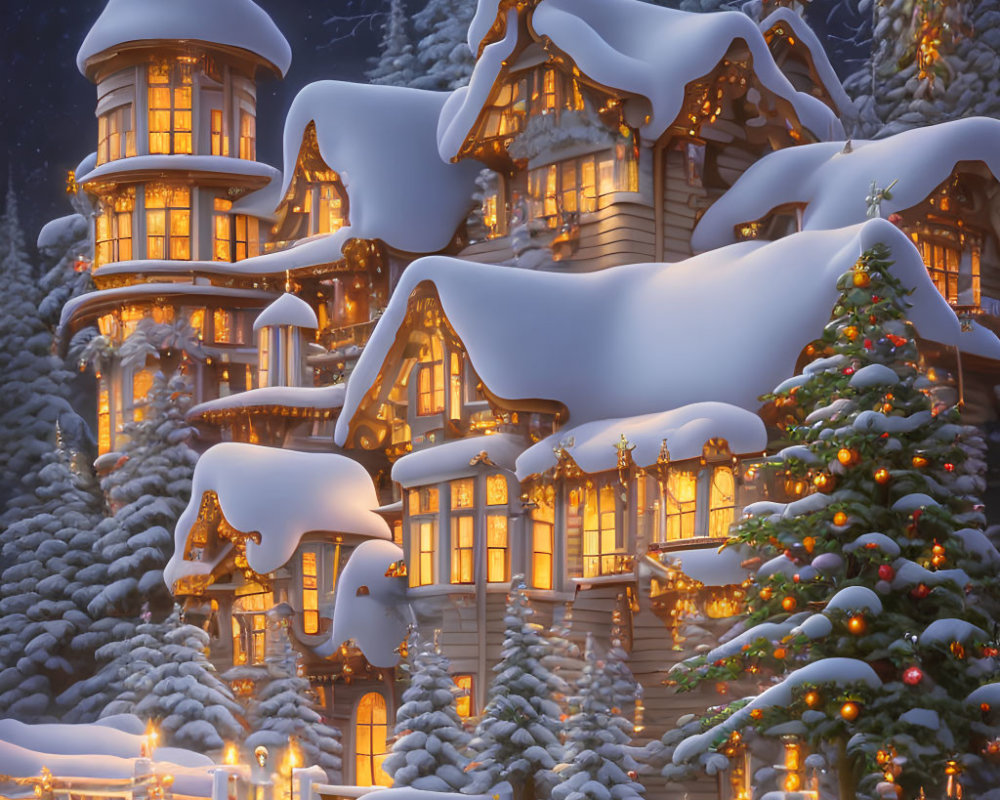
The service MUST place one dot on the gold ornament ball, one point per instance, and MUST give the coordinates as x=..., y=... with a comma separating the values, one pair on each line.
x=789, y=603
x=862, y=279
x=845, y=456
x=840, y=518
x=882, y=475
x=850, y=711
x=851, y=332
x=857, y=625
x=765, y=593
x=919, y=461
x=812, y=699
x=809, y=543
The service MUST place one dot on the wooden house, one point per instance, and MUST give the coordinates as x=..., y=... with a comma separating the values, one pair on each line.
x=609, y=131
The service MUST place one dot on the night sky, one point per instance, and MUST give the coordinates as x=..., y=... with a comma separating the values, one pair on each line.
x=48, y=123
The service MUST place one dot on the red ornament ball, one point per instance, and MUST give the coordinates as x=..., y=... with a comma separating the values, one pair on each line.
x=920, y=591
x=949, y=467
x=868, y=344
x=912, y=676
x=886, y=572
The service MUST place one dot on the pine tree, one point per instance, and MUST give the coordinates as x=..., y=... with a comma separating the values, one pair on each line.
x=285, y=709
x=66, y=251
x=443, y=58
x=43, y=591
x=178, y=689
x=595, y=763
x=873, y=621
x=517, y=739
x=34, y=401
x=395, y=62
x=626, y=692
x=429, y=733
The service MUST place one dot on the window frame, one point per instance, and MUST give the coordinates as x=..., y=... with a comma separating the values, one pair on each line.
x=423, y=550
x=374, y=760
x=172, y=211
x=179, y=80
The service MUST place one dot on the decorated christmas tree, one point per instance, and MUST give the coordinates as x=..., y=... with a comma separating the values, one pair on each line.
x=595, y=764
x=284, y=711
x=427, y=753
x=517, y=739
x=871, y=622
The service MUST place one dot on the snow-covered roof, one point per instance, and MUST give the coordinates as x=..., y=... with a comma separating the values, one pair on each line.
x=287, y=310
x=832, y=184
x=85, y=166
x=634, y=46
x=398, y=189
x=318, y=397
x=98, y=751
x=282, y=495
x=375, y=617
x=60, y=232
x=234, y=23
x=593, y=445
x=583, y=339
x=807, y=37
x=104, y=297
x=455, y=459
x=219, y=165
x=261, y=203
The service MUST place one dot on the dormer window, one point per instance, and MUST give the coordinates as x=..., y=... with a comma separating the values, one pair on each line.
x=170, y=118
x=430, y=378
x=326, y=206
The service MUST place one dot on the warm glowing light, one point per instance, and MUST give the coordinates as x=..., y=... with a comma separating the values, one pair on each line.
x=232, y=755
x=850, y=710
x=840, y=518
x=789, y=603
x=857, y=625
x=882, y=475
x=812, y=699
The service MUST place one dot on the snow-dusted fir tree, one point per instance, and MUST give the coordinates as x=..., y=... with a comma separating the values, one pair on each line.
x=179, y=688
x=285, y=708
x=564, y=658
x=43, y=589
x=595, y=764
x=930, y=61
x=427, y=753
x=517, y=739
x=626, y=692
x=443, y=60
x=34, y=400
x=394, y=64
x=872, y=623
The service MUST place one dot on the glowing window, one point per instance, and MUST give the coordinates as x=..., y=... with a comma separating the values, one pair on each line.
x=168, y=222
x=681, y=504
x=248, y=135
x=497, y=550
x=430, y=378
x=221, y=243
x=496, y=490
x=455, y=382
x=142, y=382
x=329, y=208
x=422, y=536
x=115, y=137
x=371, y=729
x=103, y=418
x=462, y=543
x=247, y=238
x=220, y=142
x=196, y=319
x=722, y=501
x=310, y=593
x=542, y=543
x=463, y=703
x=169, y=91
x=113, y=231
x=250, y=625
x=222, y=325
x=603, y=545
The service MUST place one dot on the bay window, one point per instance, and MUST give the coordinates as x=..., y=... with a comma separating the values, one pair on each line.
x=423, y=512
x=462, y=530
x=689, y=501
x=170, y=101
x=571, y=187
x=681, y=503
x=721, y=500
x=603, y=537
x=497, y=539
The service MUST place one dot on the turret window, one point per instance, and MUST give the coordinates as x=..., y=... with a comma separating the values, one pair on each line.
x=220, y=142
x=168, y=222
x=113, y=232
x=170, y=116
x=248, y=136
x=115, y=136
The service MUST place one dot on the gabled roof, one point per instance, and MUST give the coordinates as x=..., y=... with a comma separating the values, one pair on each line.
x=381, y=142
x=280, y=494
x=234, y=23
x=726, y=326
x=630, y=45
x=832, y=184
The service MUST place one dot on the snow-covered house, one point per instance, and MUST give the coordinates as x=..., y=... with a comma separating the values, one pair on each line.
x=609, y=127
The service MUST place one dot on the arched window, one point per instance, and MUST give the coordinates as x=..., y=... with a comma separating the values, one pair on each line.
x=370, y=731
